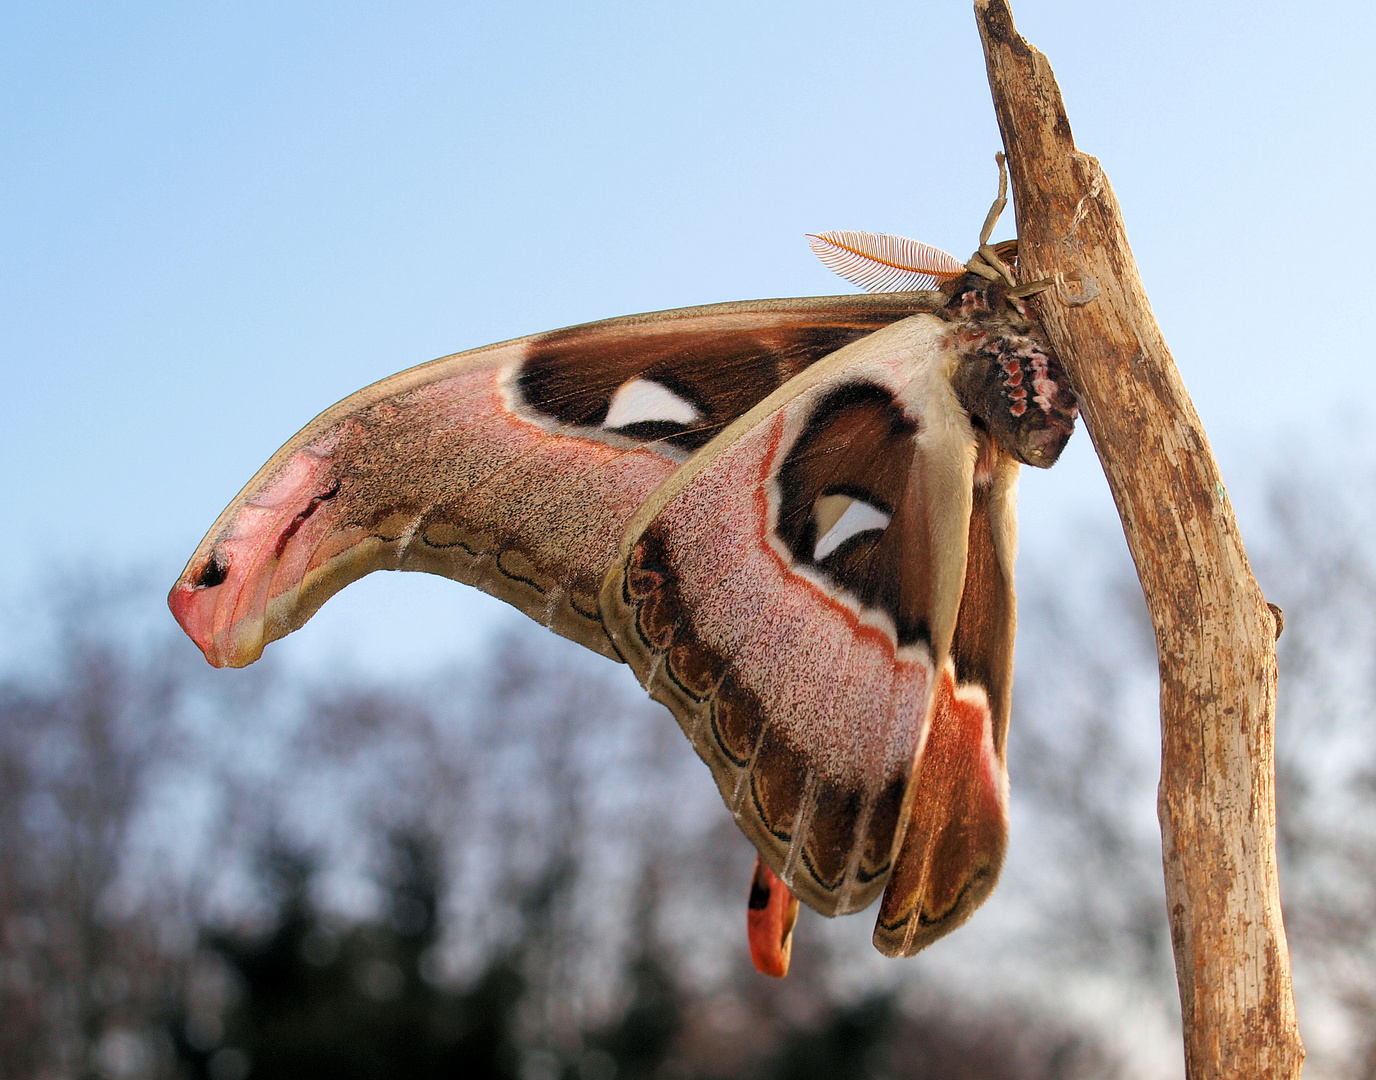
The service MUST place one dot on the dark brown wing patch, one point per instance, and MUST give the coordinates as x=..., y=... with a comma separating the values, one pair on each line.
x=858, y=443
x=720, y=373
x=982, y=648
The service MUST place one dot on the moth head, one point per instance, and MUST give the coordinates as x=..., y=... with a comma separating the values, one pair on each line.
x=1007, y=376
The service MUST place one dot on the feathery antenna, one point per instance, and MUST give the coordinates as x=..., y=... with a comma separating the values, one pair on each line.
x=878, y=262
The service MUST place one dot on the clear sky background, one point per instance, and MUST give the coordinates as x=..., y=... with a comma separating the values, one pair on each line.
x=218, y=219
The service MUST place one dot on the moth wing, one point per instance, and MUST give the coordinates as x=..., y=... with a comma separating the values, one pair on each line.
x=952, y=851
x=514, y=468
x=800, y=654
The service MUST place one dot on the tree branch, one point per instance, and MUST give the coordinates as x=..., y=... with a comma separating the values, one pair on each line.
x=1215, y=636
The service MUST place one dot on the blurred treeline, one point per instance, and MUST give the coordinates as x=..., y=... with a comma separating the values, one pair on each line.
x=518, y=868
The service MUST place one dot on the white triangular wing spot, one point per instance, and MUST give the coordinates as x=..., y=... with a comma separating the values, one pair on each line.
x=856, y=517
x=639, y=401
x=878, y=262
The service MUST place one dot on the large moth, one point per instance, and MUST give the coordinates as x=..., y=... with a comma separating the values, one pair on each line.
x=794, y=520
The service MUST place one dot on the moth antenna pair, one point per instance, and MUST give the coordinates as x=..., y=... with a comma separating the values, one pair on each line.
x=879, y=262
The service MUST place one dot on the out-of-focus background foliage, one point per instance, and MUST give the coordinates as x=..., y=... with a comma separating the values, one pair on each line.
x=422, y=837
x=515, y=867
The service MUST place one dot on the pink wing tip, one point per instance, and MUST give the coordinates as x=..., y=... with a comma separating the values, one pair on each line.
x=878, y=262
x=194, y=610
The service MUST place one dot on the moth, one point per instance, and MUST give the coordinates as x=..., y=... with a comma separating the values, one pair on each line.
x=794, y=519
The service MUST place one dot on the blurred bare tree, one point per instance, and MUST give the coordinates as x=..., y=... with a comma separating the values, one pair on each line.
x=1322, y=571
x=1084, y=758
x=86, y=963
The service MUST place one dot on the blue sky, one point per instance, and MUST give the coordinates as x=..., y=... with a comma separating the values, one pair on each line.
x=216, y=220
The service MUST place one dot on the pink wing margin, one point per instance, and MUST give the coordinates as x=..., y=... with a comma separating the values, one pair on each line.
x=878, y=262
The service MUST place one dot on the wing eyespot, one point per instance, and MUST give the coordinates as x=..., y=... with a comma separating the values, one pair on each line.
x=840, y=517
x=647, y=401
x=214, y=573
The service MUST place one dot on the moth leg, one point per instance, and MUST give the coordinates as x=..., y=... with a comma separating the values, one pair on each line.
x=769, y=919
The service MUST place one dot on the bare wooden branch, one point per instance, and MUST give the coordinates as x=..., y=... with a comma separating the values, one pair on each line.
x=1215, y=635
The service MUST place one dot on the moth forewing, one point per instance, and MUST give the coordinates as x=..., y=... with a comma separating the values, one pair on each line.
x=459, y=467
